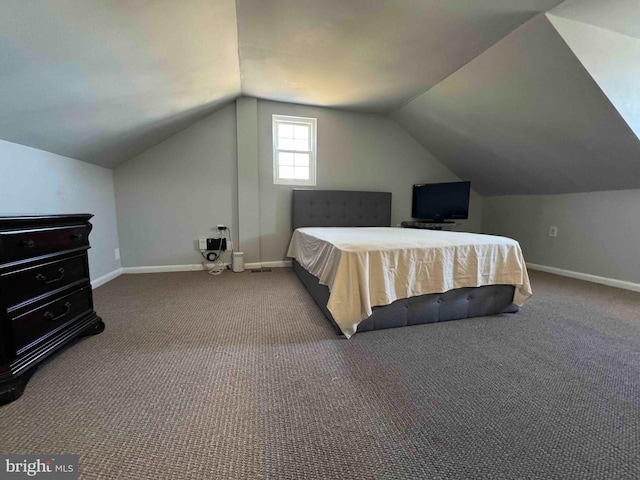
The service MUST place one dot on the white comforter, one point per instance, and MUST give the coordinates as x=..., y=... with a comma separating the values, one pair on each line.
x=374, y=266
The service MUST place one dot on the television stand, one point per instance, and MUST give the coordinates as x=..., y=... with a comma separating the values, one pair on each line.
x=429, y=225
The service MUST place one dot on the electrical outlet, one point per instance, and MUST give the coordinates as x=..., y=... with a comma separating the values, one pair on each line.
x=202, y=243
x=117, y=253
x=553, y=231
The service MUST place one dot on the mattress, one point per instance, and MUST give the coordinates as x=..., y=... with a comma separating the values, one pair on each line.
x=365, y=267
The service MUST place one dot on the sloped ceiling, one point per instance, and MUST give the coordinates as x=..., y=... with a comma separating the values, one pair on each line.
x=613, y=61
x=103, y=80
x=370, y=55
x=606, y=40
x=490, y=87
x=622, y=16
x=525, y=117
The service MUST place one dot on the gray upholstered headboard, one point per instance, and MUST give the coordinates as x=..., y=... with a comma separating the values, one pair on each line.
x=339, y=208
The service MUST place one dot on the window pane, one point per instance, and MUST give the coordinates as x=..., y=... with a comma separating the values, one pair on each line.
x=285, y=144
x=301, y=131
x=285, y=158
x=285, y=130
x=302, y=160
x=294, y=150
x=286, y=172
x=301, y=173
x=301, y=144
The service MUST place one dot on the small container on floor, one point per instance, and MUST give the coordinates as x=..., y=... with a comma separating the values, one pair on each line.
x=238, y=261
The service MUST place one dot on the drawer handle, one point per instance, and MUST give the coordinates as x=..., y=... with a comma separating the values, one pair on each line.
x=28, y=243
x=43, y=278
x=77, y=236
x=52, y=318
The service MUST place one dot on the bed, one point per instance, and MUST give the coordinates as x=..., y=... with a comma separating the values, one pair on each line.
x=365, y=275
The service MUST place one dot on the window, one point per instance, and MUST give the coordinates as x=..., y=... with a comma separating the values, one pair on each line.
x=294, y=150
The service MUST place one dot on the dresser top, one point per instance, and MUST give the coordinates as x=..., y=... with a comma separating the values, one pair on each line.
x=18, y=221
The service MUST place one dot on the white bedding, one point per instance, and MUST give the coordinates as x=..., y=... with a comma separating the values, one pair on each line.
x=374, y=266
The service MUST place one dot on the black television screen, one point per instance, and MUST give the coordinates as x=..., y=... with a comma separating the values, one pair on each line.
x=438, y=202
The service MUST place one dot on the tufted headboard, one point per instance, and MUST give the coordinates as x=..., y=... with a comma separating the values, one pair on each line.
x=339, y=208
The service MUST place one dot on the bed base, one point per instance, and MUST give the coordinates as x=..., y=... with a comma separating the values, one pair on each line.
x=434, y=307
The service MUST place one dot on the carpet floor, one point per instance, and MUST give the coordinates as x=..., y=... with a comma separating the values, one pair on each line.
x=239, y=376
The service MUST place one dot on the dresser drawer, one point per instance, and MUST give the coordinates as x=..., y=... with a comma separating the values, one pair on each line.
x=37, y=324
x=33, y=282
x=30, y=243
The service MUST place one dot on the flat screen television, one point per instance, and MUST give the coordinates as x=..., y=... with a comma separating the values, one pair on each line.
x=439, y=202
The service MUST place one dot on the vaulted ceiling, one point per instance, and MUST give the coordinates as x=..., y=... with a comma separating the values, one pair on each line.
x=102, y=81
x=525, y=117
x=497, y=90
x=363, y=54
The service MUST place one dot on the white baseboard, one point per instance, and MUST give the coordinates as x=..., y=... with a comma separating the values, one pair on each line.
x=164, y=268
x=106, y=278
x=611, y=282
x=199, y=266
x=278, y=264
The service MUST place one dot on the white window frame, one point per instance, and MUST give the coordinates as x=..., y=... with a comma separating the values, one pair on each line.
x=312, y=124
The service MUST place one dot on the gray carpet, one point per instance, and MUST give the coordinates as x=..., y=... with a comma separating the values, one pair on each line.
x=239, y=376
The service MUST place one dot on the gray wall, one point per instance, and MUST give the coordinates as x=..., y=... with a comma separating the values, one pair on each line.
x=34, y=181
x=597, y=232
x=356, y=151
x=177, y=191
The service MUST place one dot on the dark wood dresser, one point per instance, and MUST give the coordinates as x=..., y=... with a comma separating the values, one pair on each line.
x=45, y=293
